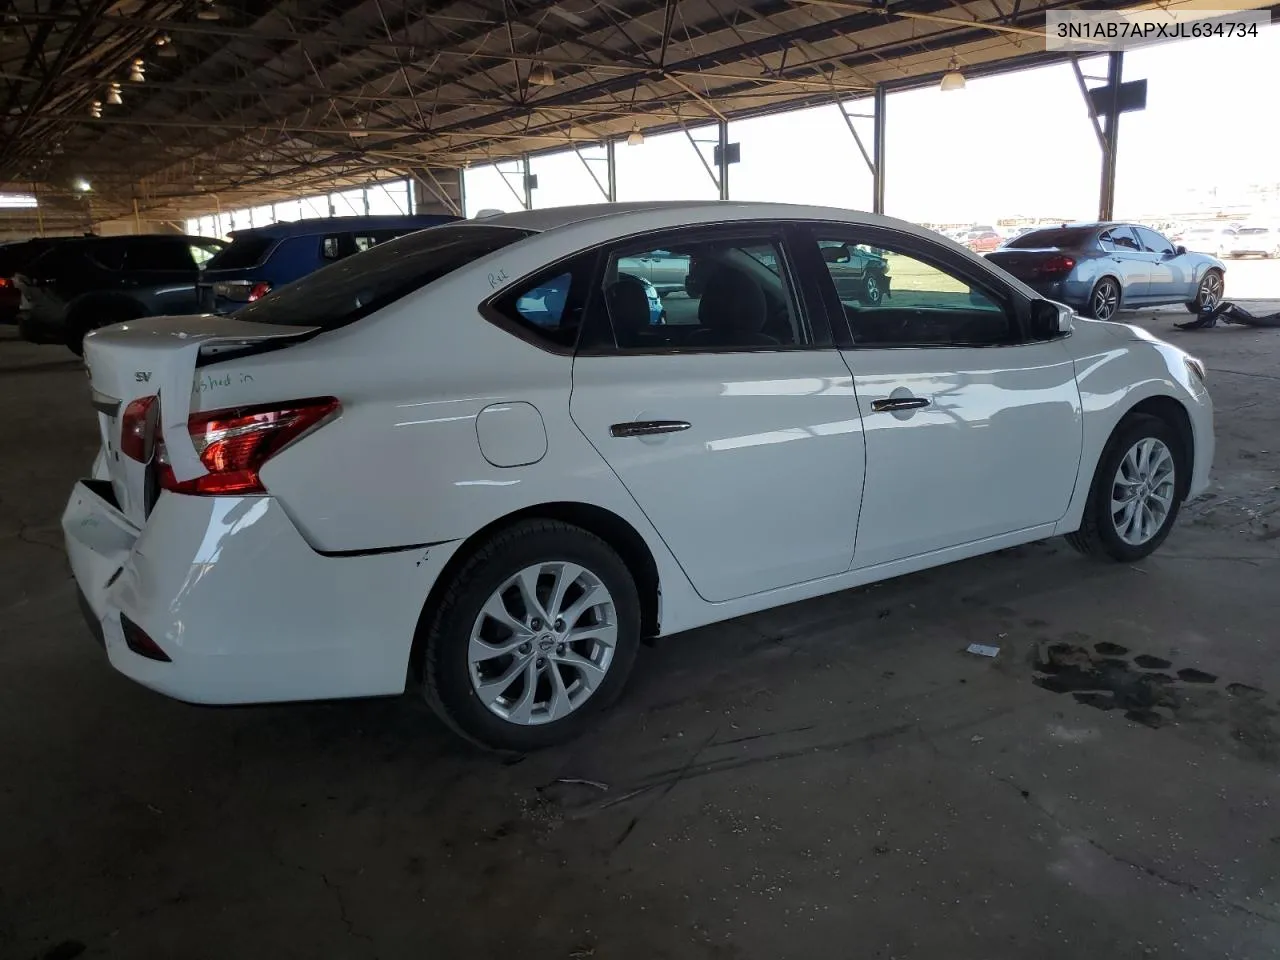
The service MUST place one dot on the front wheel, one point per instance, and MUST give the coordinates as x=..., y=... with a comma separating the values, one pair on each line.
x=1104, y=301
x=872, y=290
x=535, y=634
x=1208, y=294
x=1136, y=492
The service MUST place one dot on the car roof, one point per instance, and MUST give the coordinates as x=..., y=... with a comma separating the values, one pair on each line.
x=623, y=218
x=318, y=225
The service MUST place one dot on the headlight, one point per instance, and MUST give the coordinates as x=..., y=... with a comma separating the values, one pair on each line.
x=1196, y=367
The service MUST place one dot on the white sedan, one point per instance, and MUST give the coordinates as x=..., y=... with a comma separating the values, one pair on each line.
x=393, y=474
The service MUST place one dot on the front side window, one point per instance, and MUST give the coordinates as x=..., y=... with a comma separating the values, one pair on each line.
x=203, y=252
x=1152, y=242
x=892, y=298
x=703, y=295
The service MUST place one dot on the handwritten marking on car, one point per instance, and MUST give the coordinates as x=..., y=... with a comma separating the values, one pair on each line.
x=210, y=383
x=142, y=376
x=497, y=278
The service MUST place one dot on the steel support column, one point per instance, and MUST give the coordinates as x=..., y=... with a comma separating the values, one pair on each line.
x=1110, y=136
x=723, y=172
x=878, y=151
x=611, y=162
x=527, y=183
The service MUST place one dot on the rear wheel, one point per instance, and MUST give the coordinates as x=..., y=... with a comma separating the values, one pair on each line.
x=872, y=290
x=1136, y=491
x=1104, y=301
x=535, y=634
x=1208, y=294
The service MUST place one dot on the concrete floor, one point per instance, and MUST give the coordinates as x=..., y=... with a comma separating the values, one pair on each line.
x=833, y=779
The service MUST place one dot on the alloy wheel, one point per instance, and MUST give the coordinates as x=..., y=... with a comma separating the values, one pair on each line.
x=1210, y=291
x=872, y=288
x=1106, y=298
x=543, y=643
x=1142, y=491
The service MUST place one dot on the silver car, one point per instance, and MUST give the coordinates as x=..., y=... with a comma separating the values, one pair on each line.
x=1254, y=241
x=1099, y=268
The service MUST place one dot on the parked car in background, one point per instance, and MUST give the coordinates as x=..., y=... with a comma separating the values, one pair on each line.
x=260, y=259
x=1211, y=238
x=981, y=241
x=1099, y=268
x=859, y=273
x=386, y=476
x=1254, y=240
x=13, y=258
x=84, y=283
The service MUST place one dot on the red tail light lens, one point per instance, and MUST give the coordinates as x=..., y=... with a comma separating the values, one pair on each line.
x=1057, y=266
x=259, y=290
x=138, y=429
x=234, y=444
x=5, y=282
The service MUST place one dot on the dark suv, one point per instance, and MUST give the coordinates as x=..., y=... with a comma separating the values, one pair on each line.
x=81, y=284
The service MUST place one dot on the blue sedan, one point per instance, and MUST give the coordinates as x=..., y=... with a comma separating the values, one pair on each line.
x=1100, y=268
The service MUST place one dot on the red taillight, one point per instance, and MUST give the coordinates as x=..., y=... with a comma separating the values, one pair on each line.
x=259, y=290
x=1057, y=265
x=138, y=429
x=5, y=282
x=136, y=639
x=234, y=444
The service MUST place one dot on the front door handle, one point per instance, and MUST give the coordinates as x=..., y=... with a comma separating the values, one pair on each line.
x=890, y=404
x=647, y=428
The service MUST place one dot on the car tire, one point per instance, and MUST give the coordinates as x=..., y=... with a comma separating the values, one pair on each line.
x=1105, y=292
x=1104, y=531
x=1210, y=278
x=462, y=633
x=872, y=290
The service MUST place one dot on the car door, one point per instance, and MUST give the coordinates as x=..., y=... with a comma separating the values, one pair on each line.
x=972, y=430
x=1171, y=279
x=163, y=273
x=1126, y=261
x=737, y=432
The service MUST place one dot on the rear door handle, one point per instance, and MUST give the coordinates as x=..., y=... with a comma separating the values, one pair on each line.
x=889, y=404
x=647, y=428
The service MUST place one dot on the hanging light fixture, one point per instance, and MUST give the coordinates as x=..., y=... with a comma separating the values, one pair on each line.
x=137, y=72
x=95, y=109
x=209, y=11
x=953, y=79
x=166, y=46
x=635, y=138
x=113, y=94
x=541, y=76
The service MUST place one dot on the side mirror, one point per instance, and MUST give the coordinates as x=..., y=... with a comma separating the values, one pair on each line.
x=838, y=254
x=1179, y=251
x=1051, y=319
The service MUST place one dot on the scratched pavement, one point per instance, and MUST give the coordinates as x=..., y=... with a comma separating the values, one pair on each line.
x=832, y=779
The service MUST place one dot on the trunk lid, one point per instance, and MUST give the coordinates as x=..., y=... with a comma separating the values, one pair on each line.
x=157, y=356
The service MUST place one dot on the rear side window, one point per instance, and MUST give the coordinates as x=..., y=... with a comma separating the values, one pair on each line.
x=343, y=292
x=549, y=307
x=158, y=253
x=244, y=252
x=106, y=253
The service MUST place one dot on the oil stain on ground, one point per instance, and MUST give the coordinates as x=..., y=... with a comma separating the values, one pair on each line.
x=1108, y=678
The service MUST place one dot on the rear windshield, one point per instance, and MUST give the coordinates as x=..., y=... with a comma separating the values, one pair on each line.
x=1059, y=238
x=364, y=282
x=243, y=252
